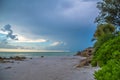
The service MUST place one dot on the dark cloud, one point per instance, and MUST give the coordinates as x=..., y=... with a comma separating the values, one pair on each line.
x=10, y=32
x=4, y=43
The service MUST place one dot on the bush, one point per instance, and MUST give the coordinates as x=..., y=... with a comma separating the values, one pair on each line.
x=108, y=58
x=109, y=50
x=111, y=71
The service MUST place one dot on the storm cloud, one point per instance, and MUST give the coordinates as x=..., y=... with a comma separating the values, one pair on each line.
x=7, y=28
x=68, y=21
x=6, y=35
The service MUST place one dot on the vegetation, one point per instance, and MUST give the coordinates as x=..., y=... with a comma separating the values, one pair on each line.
x=108, y=58
x=107, y=45
x=111, y=71
x=104, y=29
x=107, y=51
x=109, y=12
x=103, y=33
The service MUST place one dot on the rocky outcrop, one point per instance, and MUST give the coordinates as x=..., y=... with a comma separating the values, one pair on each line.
x=85, y=62
x=85, y=53
x=11, y=59
x=18, y=58
x=88, y=53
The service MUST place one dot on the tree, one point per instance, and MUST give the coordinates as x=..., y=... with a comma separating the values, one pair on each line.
x=103, y=33
x=109, y=12
x=107, y=52
x=104, y=29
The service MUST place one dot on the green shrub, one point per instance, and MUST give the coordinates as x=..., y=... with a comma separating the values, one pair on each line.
x=108, y=58
x=111, y=71
x=109, y=50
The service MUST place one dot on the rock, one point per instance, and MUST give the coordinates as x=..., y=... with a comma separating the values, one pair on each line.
x=10, y=59
x=1, y=60
x=82, y=63
x=42, y=56
x=88, y=53
x=85, y=62
x=78, y=53
x=85, y=53
x=30, y=58
x=18, y=58
x=8, y=67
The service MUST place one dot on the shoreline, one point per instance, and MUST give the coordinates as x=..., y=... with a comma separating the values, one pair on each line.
x=47, y=68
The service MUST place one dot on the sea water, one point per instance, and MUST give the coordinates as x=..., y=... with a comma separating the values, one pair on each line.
x=36, y=54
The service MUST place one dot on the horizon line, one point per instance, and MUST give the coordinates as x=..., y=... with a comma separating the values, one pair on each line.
x=28, y=50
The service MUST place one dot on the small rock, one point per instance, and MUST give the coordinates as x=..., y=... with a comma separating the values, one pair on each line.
x=8, y=67
x=42, y=56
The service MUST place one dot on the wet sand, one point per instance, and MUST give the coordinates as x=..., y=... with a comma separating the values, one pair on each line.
x=46, y=68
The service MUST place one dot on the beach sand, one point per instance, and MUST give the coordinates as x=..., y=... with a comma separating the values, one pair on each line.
x=47, y=68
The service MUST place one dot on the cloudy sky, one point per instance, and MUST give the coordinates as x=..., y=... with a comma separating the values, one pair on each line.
x=66, y=25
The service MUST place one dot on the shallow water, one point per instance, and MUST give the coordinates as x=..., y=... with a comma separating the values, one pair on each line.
x=36, y=54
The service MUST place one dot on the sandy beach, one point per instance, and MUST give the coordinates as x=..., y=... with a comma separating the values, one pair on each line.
x=47, y=68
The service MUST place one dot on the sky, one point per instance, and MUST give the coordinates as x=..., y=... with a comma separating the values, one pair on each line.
x=63, y=25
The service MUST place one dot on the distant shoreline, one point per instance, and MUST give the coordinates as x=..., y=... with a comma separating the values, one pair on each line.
x=27, y=50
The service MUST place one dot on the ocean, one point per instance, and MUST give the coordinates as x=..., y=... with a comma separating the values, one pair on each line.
x=35, y=54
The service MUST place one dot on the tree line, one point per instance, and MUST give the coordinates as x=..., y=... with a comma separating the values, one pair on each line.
x=107, y=41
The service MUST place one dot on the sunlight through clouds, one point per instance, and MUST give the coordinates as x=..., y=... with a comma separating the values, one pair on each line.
x=56, y=43
x=24, y=39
